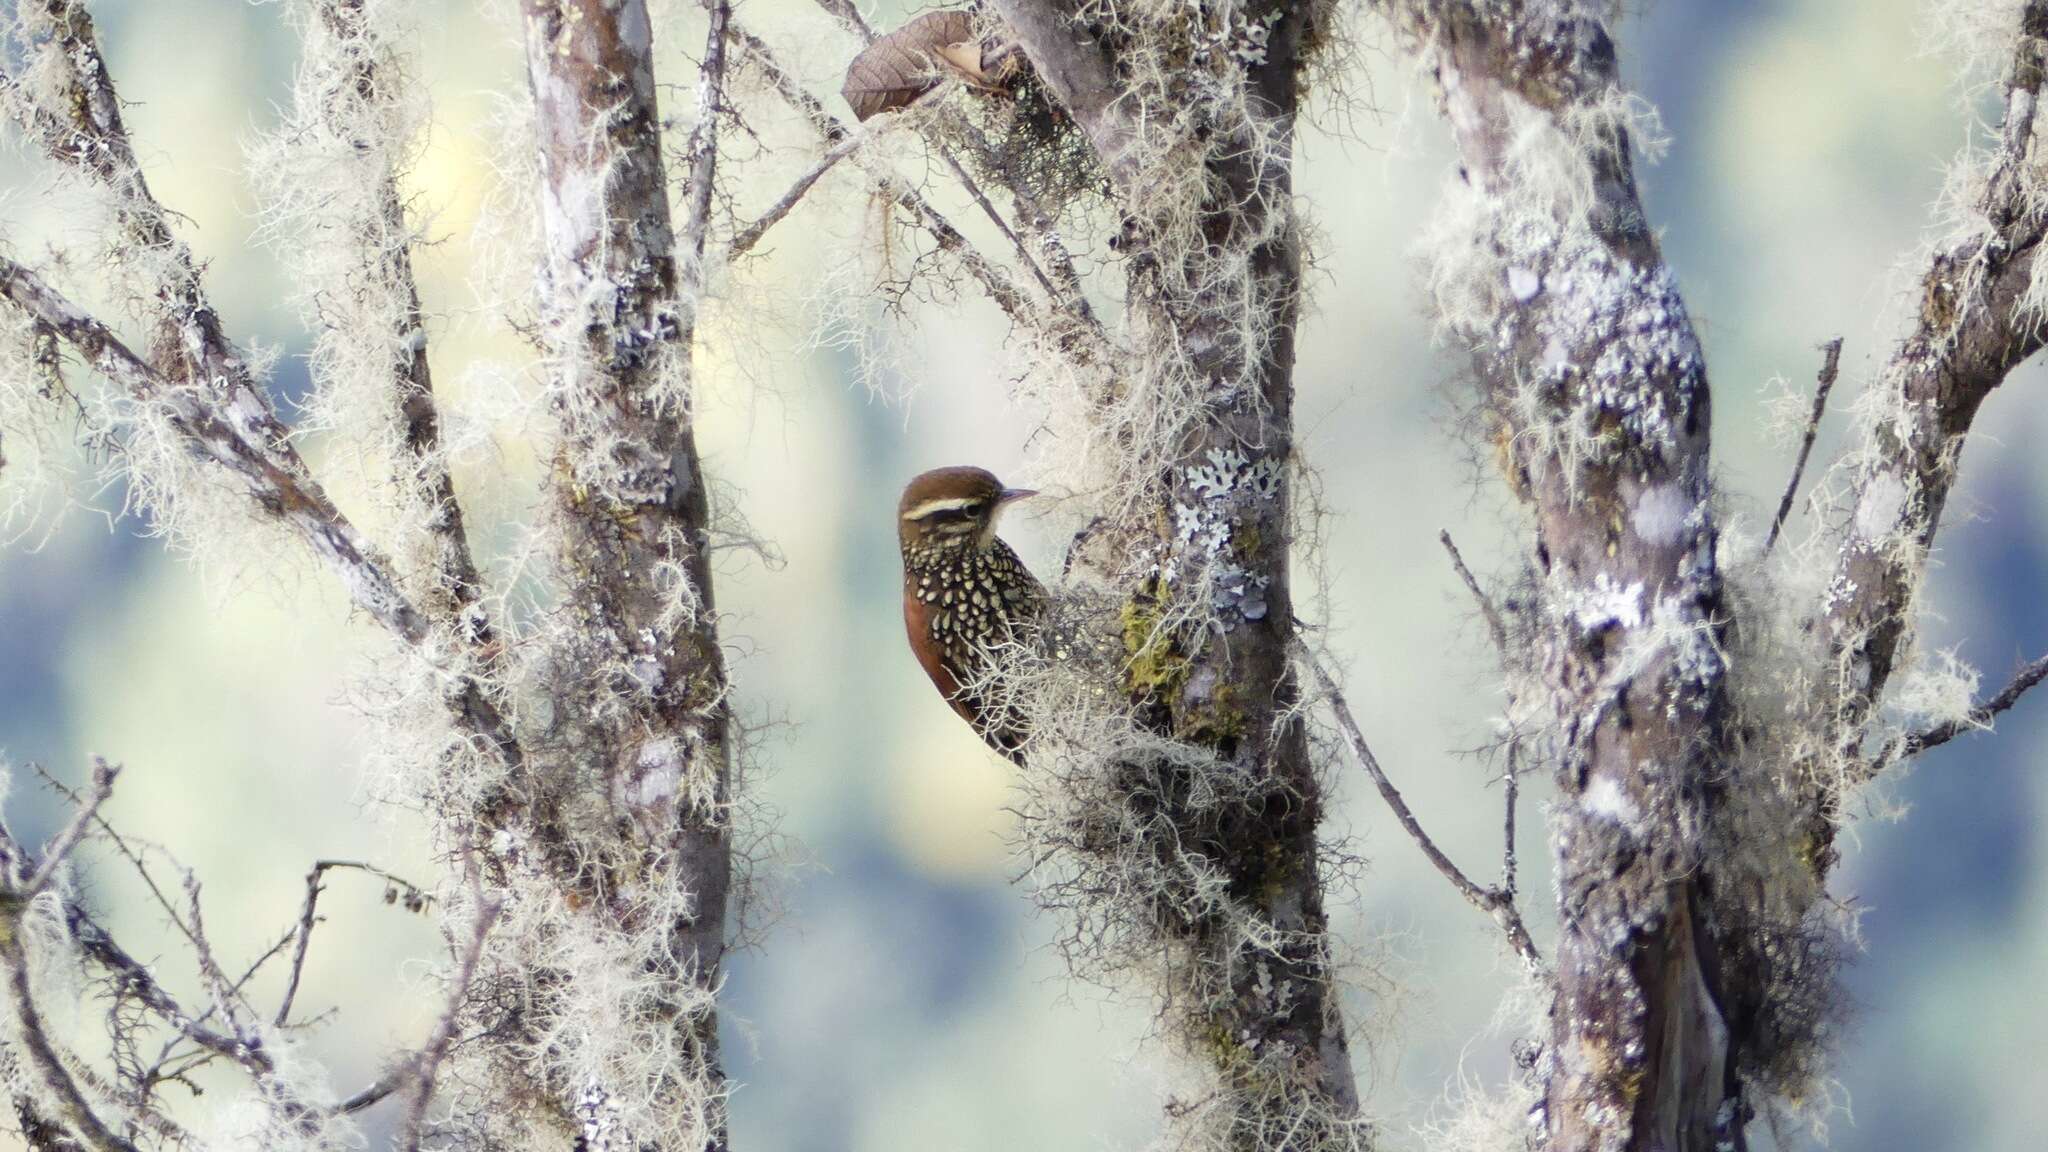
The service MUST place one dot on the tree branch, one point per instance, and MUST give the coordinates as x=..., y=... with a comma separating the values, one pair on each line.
x=81, y=128
x=34, y=1042
x=301, y=935
x=744, y=240
x=1973, y=328
x=386, y=260
x=1497, y=903
x=1979, y=718
x=847, y=15
x=428, y=1063
x=997, y=283
x=1080, y=75
x=284, y=494
x=1832, y=350
x=59, y=850
x=1495, y=626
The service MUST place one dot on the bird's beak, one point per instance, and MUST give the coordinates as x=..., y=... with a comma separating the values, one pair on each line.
x=1010, y=496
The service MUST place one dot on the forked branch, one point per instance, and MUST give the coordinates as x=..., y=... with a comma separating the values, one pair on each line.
x=284, y=493
x=1498, y=903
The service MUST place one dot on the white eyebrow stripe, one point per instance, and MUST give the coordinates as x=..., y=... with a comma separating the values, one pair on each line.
x=943, y=504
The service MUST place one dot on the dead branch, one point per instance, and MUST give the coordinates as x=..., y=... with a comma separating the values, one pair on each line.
x=1978, y=719
x=286, y=495
x=1832, y=351
x=1497, y=903
x=428, y=1063
x=744, y=240
x=301, y=934
x=71, y=1105
x=457, y=588
x=1970, y=332
x=993, y=279
x=59, y=850
x=81, y=128
x=1495, y=626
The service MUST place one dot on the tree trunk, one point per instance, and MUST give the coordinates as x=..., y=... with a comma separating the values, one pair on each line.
x=641, y=719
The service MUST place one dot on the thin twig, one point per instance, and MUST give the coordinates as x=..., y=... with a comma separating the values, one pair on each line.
x=60, y=849
x=304, y=940
x=302, y=933
x=428, y=1062
x=849, y=16
x=210, y=973
x=1513, y=787
x=1829, y=369
x=1495, y=626
x=988, y=209
x=993, y=279
x=127, y=852
x=33, y=1041
x=133, y=978
x=747, y=237
x=379, y=1090
x=1495, y=902
x=1978, y=719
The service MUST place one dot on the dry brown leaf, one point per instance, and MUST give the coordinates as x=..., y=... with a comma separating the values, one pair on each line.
x=898, y=68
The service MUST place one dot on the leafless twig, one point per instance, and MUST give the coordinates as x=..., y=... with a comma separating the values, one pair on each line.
x=994, y=280
x=1512, y=784
x=1495, y=626
x=302, y=934
x=210, y=973
x=60, y=849
x=744, y=241
x=1495, y=902
x=33, y=1041
x=378, y=1091
x=72, y=1105
x=134, y=978
x=428, y=1062
x=1979, y=718
x=1066, y=292
x=1829, y=368
x=282, y=490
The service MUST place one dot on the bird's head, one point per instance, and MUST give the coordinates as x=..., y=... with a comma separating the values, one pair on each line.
x=953, y=508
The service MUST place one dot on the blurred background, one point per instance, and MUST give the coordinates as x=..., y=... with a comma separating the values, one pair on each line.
x=903, y=994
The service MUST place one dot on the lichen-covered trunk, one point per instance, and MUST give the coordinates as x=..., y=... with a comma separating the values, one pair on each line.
x=1597, y=389
x=1277, y=1038
x=642, y=714
x=1203, y=845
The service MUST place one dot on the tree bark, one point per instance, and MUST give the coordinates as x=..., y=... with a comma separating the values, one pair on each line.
x=1598, y=390
x=645, y=716
x=1209, y=613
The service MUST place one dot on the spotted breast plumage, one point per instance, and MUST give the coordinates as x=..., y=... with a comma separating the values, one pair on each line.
x=965, y=593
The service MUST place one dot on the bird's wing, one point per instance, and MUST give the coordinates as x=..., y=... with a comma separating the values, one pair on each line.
x=915, y=613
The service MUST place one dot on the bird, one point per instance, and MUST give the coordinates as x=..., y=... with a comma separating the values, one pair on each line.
x=965, y=593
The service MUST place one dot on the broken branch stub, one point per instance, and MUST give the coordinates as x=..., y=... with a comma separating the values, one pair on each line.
x=898, y=68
